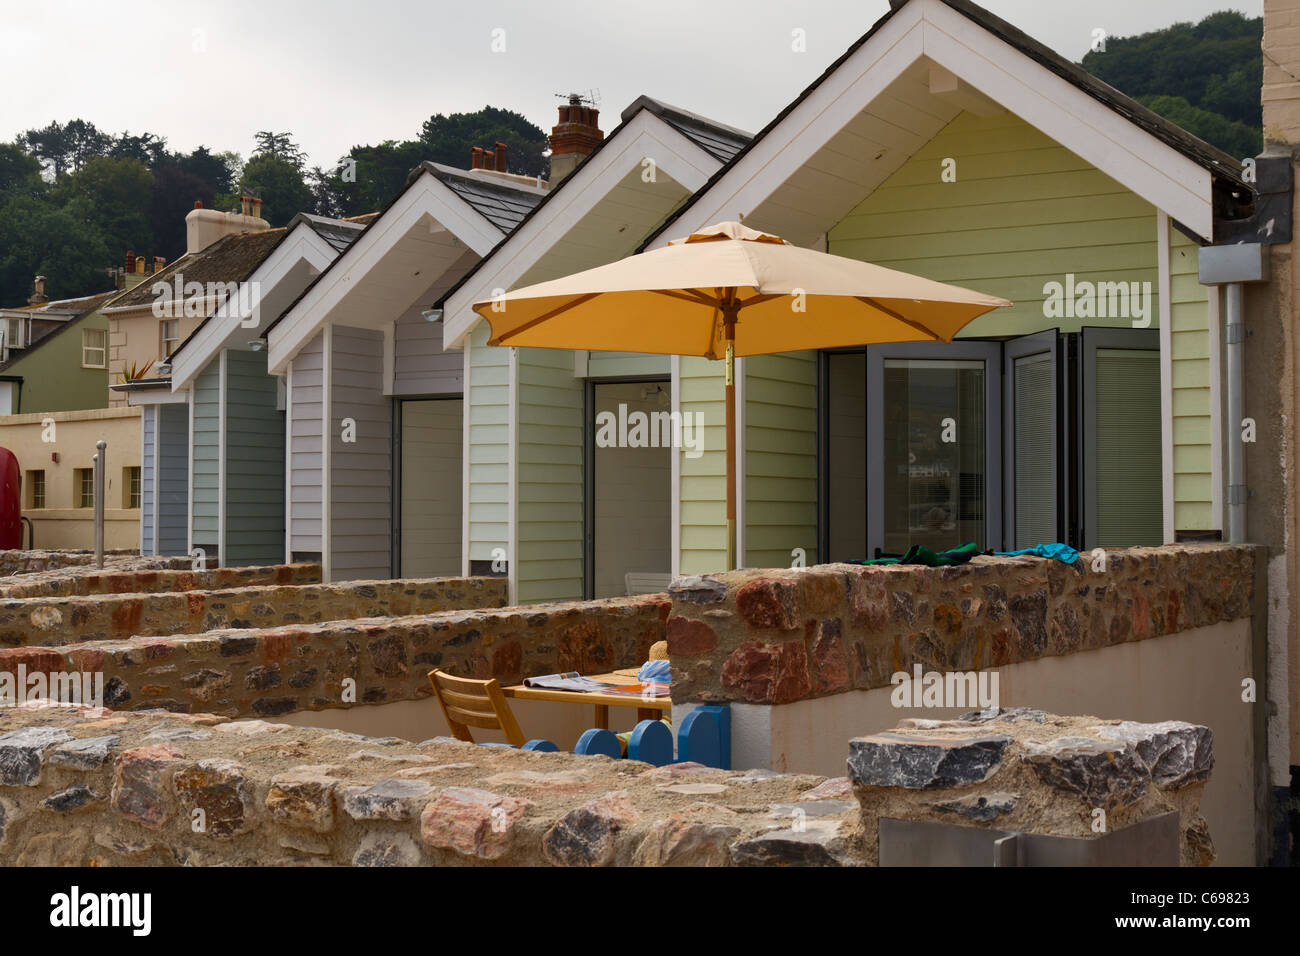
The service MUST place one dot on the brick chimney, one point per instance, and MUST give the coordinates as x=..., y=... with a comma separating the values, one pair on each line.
x=574, y=138
x=38, y=297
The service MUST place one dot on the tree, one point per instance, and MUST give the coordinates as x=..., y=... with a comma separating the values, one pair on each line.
x=174, y=193
x=279, y=146
x=145, y=148
x=279, y=184
x=449, y=139
x=1214, y=67
x=39, y=238
x=51, y=146
x=117, y=195
x=212, y=168
x=1235, y=139
x=85, y=142
x=20, y=174
x=369, y=177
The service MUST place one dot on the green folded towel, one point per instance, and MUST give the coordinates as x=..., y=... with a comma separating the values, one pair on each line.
x=919, y=554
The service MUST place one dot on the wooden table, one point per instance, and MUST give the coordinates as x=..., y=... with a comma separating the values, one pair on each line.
x=645, y=709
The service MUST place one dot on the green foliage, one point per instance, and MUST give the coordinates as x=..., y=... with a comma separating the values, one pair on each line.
x=116, y=193
x=367, y=179
x=449, y=139
x=279, y=146
x=279, y=183
x=20, y=174
x=1207, y=76
x=1235, y=139
x=38, y=237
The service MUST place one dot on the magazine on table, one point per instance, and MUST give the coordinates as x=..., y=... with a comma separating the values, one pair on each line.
x=569, y=680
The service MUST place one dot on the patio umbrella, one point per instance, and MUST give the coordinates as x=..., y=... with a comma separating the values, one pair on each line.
x=729, y=290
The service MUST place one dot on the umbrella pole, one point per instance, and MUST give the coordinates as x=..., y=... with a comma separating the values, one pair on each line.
x=730, y=325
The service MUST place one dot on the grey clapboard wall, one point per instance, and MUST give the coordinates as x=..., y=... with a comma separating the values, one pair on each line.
x=304, y=424
x=361, y=480
x=420, y=366
x=207, y=422
x=173, y=476
x=254, y=465
x=148, y=500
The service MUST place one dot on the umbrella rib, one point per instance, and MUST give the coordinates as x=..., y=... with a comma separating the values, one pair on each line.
x=690, y=295
x=500, y=339
x=906, y=321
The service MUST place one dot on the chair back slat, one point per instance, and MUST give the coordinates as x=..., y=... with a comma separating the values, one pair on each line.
x=474, y=703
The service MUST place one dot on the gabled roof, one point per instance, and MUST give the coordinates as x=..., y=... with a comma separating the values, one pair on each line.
x=719, y=140
x=1231, y=192
x=231, y=258
x=714, y=141
x=483, y=208
x=503, y=205
x=334, y=235
x=79, y=309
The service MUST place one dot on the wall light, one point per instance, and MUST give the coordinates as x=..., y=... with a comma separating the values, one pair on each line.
x=256, y=345
x=432, y=315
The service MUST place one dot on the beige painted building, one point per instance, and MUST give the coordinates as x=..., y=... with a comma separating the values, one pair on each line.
x=54, y=452
x=148, y=323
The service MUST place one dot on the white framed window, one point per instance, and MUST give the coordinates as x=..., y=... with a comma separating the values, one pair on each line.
x=169, y=334
x=83, y=486
x=36, y=488
x=94, y=348
x=131, y=487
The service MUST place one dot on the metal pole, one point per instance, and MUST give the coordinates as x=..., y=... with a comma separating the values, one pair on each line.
x=1235, y=334
x=99, y=460
x=729, y=324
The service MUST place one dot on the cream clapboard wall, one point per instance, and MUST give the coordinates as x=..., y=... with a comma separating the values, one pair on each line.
x=549, y=456
x=487, y=440
x=1024, y=211
x=1193, y=425
x=703, y=492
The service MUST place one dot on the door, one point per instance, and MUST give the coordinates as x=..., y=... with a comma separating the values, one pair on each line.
x=1121, y=440
x=1031, y=377
x=430, y=449
x=934, y=475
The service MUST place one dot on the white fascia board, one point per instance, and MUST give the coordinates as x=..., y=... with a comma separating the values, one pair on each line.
x=806, y=130
x=427, y=196
x=157, y=396
x=928, y=28
x=646, y=136
x=304, y=244
x=1119, y=148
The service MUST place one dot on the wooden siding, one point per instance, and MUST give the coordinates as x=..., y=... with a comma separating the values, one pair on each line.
x=206, y=478
x=1189, y=329
x=420, y=366
x=361, y=480
x=780, y=458
x=703, y=479
x=148, y=499
x=254, y=478
x=305, y=424
x=488, y=421
x=173, y=476
x=549, y=454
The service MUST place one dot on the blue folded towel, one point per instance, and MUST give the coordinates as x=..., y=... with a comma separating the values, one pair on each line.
x=1061, y=552
x=656, y=671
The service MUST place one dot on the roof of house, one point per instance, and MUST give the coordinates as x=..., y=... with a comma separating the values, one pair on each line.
x=500, y=203
x=338, y=233
x=1224, y=167
x=231, y=258
x=717, y=139
x=86, y=305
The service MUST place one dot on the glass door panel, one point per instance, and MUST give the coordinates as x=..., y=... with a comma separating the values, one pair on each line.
x=1032, y=442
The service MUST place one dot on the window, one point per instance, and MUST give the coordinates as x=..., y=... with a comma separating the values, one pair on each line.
x=169, y=331
x=131, y=487
x=94, y=348
x=83, y=487
x=36, y=489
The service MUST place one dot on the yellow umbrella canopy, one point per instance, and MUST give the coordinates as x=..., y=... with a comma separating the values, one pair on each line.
x=730, y=290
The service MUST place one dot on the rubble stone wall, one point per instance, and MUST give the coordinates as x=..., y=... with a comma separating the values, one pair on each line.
x=176, y=575
x=52, y=622
x=776, y=637
x=343, y=663
x=17, y=561
x=165, y=789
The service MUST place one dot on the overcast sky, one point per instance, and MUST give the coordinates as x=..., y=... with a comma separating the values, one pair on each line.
x=338, y=73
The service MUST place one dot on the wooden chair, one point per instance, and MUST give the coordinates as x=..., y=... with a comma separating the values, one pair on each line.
x=474, y=703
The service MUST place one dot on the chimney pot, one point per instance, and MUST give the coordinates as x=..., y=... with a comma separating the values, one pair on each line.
x=198, y=204
x=130, y=261
x=476, y=157
x=501, y=157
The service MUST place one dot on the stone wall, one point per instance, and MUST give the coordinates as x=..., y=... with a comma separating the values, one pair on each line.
x=775, y=637
x=1021, y=770
x=52, y=622
x=175, y=575
x=271, y=671
x=26, y=562
x=163, y=789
